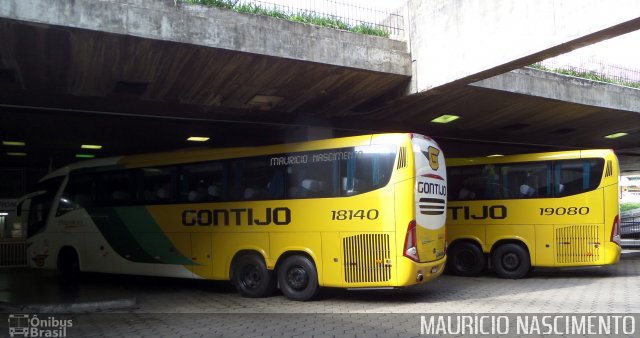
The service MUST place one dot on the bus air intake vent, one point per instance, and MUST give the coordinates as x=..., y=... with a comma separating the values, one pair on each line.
x=367, y=258
x=578, y=244
x=402, y=158
x=609, y=171
x=432, y=206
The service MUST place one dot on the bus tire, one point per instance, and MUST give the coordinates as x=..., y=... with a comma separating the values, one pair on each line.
x=251, y=278
x=68, y=264
x=298, y=278
x=465, y=259
x=511, y=261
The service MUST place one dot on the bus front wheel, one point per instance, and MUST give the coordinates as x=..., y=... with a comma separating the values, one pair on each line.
x=465, y=259
x=298, y=278
x=251, y=278
x=511, y=261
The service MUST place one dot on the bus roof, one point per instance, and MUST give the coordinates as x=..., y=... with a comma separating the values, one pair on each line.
x=198, y=155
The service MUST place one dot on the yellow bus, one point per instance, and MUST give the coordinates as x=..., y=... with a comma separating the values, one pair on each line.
x=511, y=213
x=357, y=212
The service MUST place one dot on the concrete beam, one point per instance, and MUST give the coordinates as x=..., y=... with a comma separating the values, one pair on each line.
x=534, y=82
x=216, y=28
x=462, y=41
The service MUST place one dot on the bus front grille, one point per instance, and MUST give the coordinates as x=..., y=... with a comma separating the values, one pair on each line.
x=578, y=244
x=367, y=258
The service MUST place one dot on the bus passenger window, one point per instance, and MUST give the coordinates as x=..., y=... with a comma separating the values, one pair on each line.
x=529, y=180
x=158, y=184
x=526, y=191
x=312, y=188
x=117, y=188
x=466, y=194
x=491, y=179
x=275, y=187
x=202, y=182
x=577, y=176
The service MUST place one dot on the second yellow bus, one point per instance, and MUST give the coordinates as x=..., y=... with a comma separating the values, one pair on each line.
x=511, y=213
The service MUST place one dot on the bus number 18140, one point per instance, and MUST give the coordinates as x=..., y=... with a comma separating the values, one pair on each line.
x=345, y=215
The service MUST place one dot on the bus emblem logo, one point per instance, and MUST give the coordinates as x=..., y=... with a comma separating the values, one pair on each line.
x=432, y=157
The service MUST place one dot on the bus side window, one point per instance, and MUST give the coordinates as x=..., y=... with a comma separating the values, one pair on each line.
x=312, y=188
x=466, y=193
x=529, y=180
x=158, y=184
x=275, y=187
x=467, y=182
x=350, y=182
x=117, y=188
x=317, y=181
x=577, y=176
x=491, y=182
x=310, y=180
x=253, y=178
x=293, y=181
x=202, y=182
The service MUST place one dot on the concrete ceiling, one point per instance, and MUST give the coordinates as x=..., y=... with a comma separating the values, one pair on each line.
x=62, y=87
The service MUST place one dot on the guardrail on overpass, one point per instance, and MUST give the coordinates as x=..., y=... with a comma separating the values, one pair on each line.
x=337, y=12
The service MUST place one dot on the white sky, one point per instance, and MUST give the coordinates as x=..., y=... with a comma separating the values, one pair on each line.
x=623, y=50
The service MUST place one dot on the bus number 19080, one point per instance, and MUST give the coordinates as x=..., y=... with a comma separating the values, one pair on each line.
x=564, y=211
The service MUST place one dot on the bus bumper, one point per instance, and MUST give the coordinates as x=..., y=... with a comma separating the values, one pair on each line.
x=418, y=273
x=613, y=252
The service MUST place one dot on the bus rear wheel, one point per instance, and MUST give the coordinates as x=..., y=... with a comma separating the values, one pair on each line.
x=251, y=278
x=511, y=261
x=298, y=278
x=465, y=259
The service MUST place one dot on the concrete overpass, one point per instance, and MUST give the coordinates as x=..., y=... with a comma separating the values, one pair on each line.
x=142, y=75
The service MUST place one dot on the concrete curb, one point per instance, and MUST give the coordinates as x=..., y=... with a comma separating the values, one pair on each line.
x=85, y=307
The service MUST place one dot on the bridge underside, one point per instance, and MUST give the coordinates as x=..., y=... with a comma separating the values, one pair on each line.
x=62, y=86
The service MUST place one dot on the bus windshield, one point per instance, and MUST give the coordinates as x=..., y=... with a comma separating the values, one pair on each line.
x=40, y=205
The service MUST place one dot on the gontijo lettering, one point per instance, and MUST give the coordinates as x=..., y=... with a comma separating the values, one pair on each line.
x=240, y=216
x=432, y=188
x=483, y=212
